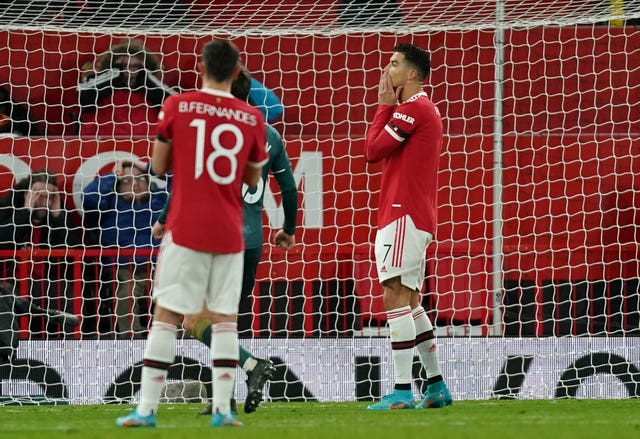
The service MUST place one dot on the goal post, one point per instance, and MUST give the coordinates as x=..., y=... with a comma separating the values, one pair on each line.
x=533, y=281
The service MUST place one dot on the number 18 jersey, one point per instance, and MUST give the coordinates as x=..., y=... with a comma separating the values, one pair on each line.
x=213, y=137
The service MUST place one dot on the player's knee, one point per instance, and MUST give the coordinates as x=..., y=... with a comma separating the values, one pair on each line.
x=161, y=314
x=395, y=295
x=188, y=324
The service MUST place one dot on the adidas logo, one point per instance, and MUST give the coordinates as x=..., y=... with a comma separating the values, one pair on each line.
x=383, y=270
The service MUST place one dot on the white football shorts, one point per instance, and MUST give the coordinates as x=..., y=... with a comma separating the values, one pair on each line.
x=187, y=279
x=400, y=250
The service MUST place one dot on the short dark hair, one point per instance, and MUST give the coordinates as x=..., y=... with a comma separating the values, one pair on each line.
x=38, y=176
x=220, y=58
x=133, y=48
x=417, y=57
x=241, y=86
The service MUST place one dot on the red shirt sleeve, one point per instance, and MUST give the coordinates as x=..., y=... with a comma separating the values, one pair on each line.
x=258, y=153
x=390, y=128
x=165, y=119
x=379, y=143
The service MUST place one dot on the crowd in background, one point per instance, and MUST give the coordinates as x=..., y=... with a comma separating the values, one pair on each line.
x=120, y=95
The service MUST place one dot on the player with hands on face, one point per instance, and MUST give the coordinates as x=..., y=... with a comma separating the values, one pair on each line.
x=406, y=135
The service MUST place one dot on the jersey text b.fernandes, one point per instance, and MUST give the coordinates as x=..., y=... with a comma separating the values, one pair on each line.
x=221, y=112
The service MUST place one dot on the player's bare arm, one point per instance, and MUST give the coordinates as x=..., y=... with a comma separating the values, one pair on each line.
x=161, y=159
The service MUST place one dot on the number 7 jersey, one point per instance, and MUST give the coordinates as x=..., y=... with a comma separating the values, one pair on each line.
x=213, y=137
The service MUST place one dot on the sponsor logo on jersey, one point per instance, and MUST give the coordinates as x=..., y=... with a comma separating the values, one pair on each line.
x=404, y=117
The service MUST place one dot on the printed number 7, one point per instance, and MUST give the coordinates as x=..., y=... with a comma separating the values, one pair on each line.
x=388, y=246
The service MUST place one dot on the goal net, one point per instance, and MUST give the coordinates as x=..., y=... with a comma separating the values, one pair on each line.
x=532, y=281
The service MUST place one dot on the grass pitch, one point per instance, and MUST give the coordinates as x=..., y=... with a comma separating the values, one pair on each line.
x=465, y=419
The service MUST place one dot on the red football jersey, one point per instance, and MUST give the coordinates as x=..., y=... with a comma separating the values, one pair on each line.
x=214, y=135
x=408, y=138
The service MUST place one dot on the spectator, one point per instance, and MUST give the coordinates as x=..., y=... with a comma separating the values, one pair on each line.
x=14, y=118
x=122, y=206
x=32, y=215
x=122, y=92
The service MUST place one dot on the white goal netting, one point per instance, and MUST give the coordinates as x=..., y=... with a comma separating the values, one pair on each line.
x=533, y=281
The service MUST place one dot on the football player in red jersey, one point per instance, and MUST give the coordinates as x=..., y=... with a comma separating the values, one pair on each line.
x=213, y=142
x=406, y=135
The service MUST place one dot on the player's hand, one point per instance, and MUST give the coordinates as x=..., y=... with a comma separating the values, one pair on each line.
x=284, y=240
x=386, y=94
x=157, y=231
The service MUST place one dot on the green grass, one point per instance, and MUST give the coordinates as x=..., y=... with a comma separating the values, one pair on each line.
x=465, y=419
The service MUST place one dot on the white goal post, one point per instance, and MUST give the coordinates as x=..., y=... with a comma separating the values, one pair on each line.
x=533, y=280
